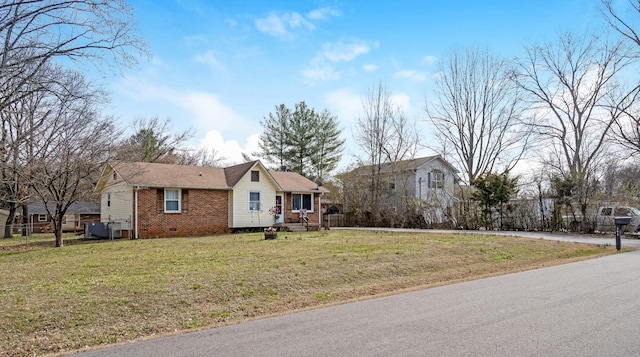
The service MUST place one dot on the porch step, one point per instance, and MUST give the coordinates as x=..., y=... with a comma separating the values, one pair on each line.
x=295, y=227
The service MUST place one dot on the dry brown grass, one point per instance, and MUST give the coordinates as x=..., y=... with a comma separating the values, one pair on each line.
x=90, y=294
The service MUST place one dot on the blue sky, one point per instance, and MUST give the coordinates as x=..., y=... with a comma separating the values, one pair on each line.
x=219, y=67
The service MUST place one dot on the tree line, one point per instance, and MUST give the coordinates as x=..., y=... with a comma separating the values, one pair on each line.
x=572, y=100
x=569, y=103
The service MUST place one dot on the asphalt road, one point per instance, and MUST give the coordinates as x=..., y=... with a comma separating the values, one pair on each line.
x=589, y=308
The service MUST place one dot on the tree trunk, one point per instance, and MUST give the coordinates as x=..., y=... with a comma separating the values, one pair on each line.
x=9, y=224
x=57, y=229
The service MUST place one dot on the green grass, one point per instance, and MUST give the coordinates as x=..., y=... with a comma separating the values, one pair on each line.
x=99, y=292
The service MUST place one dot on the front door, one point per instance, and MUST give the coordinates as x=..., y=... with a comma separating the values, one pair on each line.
x=279, y=210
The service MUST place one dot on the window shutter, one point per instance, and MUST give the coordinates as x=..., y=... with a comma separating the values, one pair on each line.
x=160, y=200
x=429, y=180
x=185, y=200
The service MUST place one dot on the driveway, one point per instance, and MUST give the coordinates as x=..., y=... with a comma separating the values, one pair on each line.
x=588, y=308
x=627, y=241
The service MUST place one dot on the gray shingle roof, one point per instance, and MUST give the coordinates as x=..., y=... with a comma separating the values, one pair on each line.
x=81, y=207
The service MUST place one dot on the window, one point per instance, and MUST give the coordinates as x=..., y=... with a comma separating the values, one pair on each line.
x=302, y=201
x=255, y=176
x=606, y=211
x=622, y=211
x=171, y=200
x=254, y=201
x=436, y=179
x=108, y=200
x=64, y=220
x=42, y=218
x=115, y=176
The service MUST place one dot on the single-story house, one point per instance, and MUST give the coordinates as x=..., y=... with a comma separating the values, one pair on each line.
x=164, y=200
x=77, y=215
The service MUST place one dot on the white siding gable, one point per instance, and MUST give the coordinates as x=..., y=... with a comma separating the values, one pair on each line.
x=240, y=206
x=434, y=201
x=116, y=202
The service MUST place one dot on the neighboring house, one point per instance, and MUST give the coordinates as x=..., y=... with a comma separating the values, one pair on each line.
x=426, y=183
x=163, y=200
x=77, y=215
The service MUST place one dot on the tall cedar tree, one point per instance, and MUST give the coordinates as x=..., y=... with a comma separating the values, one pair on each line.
x=302, y=129
x=328, y=148
x=273, y=146
x=301, y=140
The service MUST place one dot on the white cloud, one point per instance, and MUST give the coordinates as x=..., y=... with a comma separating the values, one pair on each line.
x=323, y=13
x=209, y=59
x=230, y=150
x=204, y=111
x=208, y=111
x=321, y=67
x=280, y=24
x=403, y=101
x=348, y=105
x=344, y=51
x=320, y=72
x=345, y=104
x=411, y=75
x=430, y=60
x=370, y=67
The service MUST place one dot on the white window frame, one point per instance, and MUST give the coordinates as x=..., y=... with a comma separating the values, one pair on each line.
x=42, y=218
x=166, y=200
x=301, y=194
x=108, y=200
x=258, y=202
x=436, y=178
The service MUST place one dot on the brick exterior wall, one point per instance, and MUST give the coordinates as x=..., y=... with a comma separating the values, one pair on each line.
x=294, y=217
x=203, y=212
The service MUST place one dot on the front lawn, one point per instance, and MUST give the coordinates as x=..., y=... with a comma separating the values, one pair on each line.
x=94, y=293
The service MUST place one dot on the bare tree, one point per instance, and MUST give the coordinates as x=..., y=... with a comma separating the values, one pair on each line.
x=573, y=85
x=35, y=32
x=626, y=128
x=624, y=19
x=384, y=135
x=200, y=157
x=154, y=141
x=21, y=120
x=72, y=147
x=478, y=113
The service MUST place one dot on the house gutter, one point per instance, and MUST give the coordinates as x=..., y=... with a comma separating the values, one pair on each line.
x=135, y=210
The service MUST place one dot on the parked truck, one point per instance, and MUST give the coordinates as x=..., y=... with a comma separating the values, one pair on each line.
x=606, y=215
